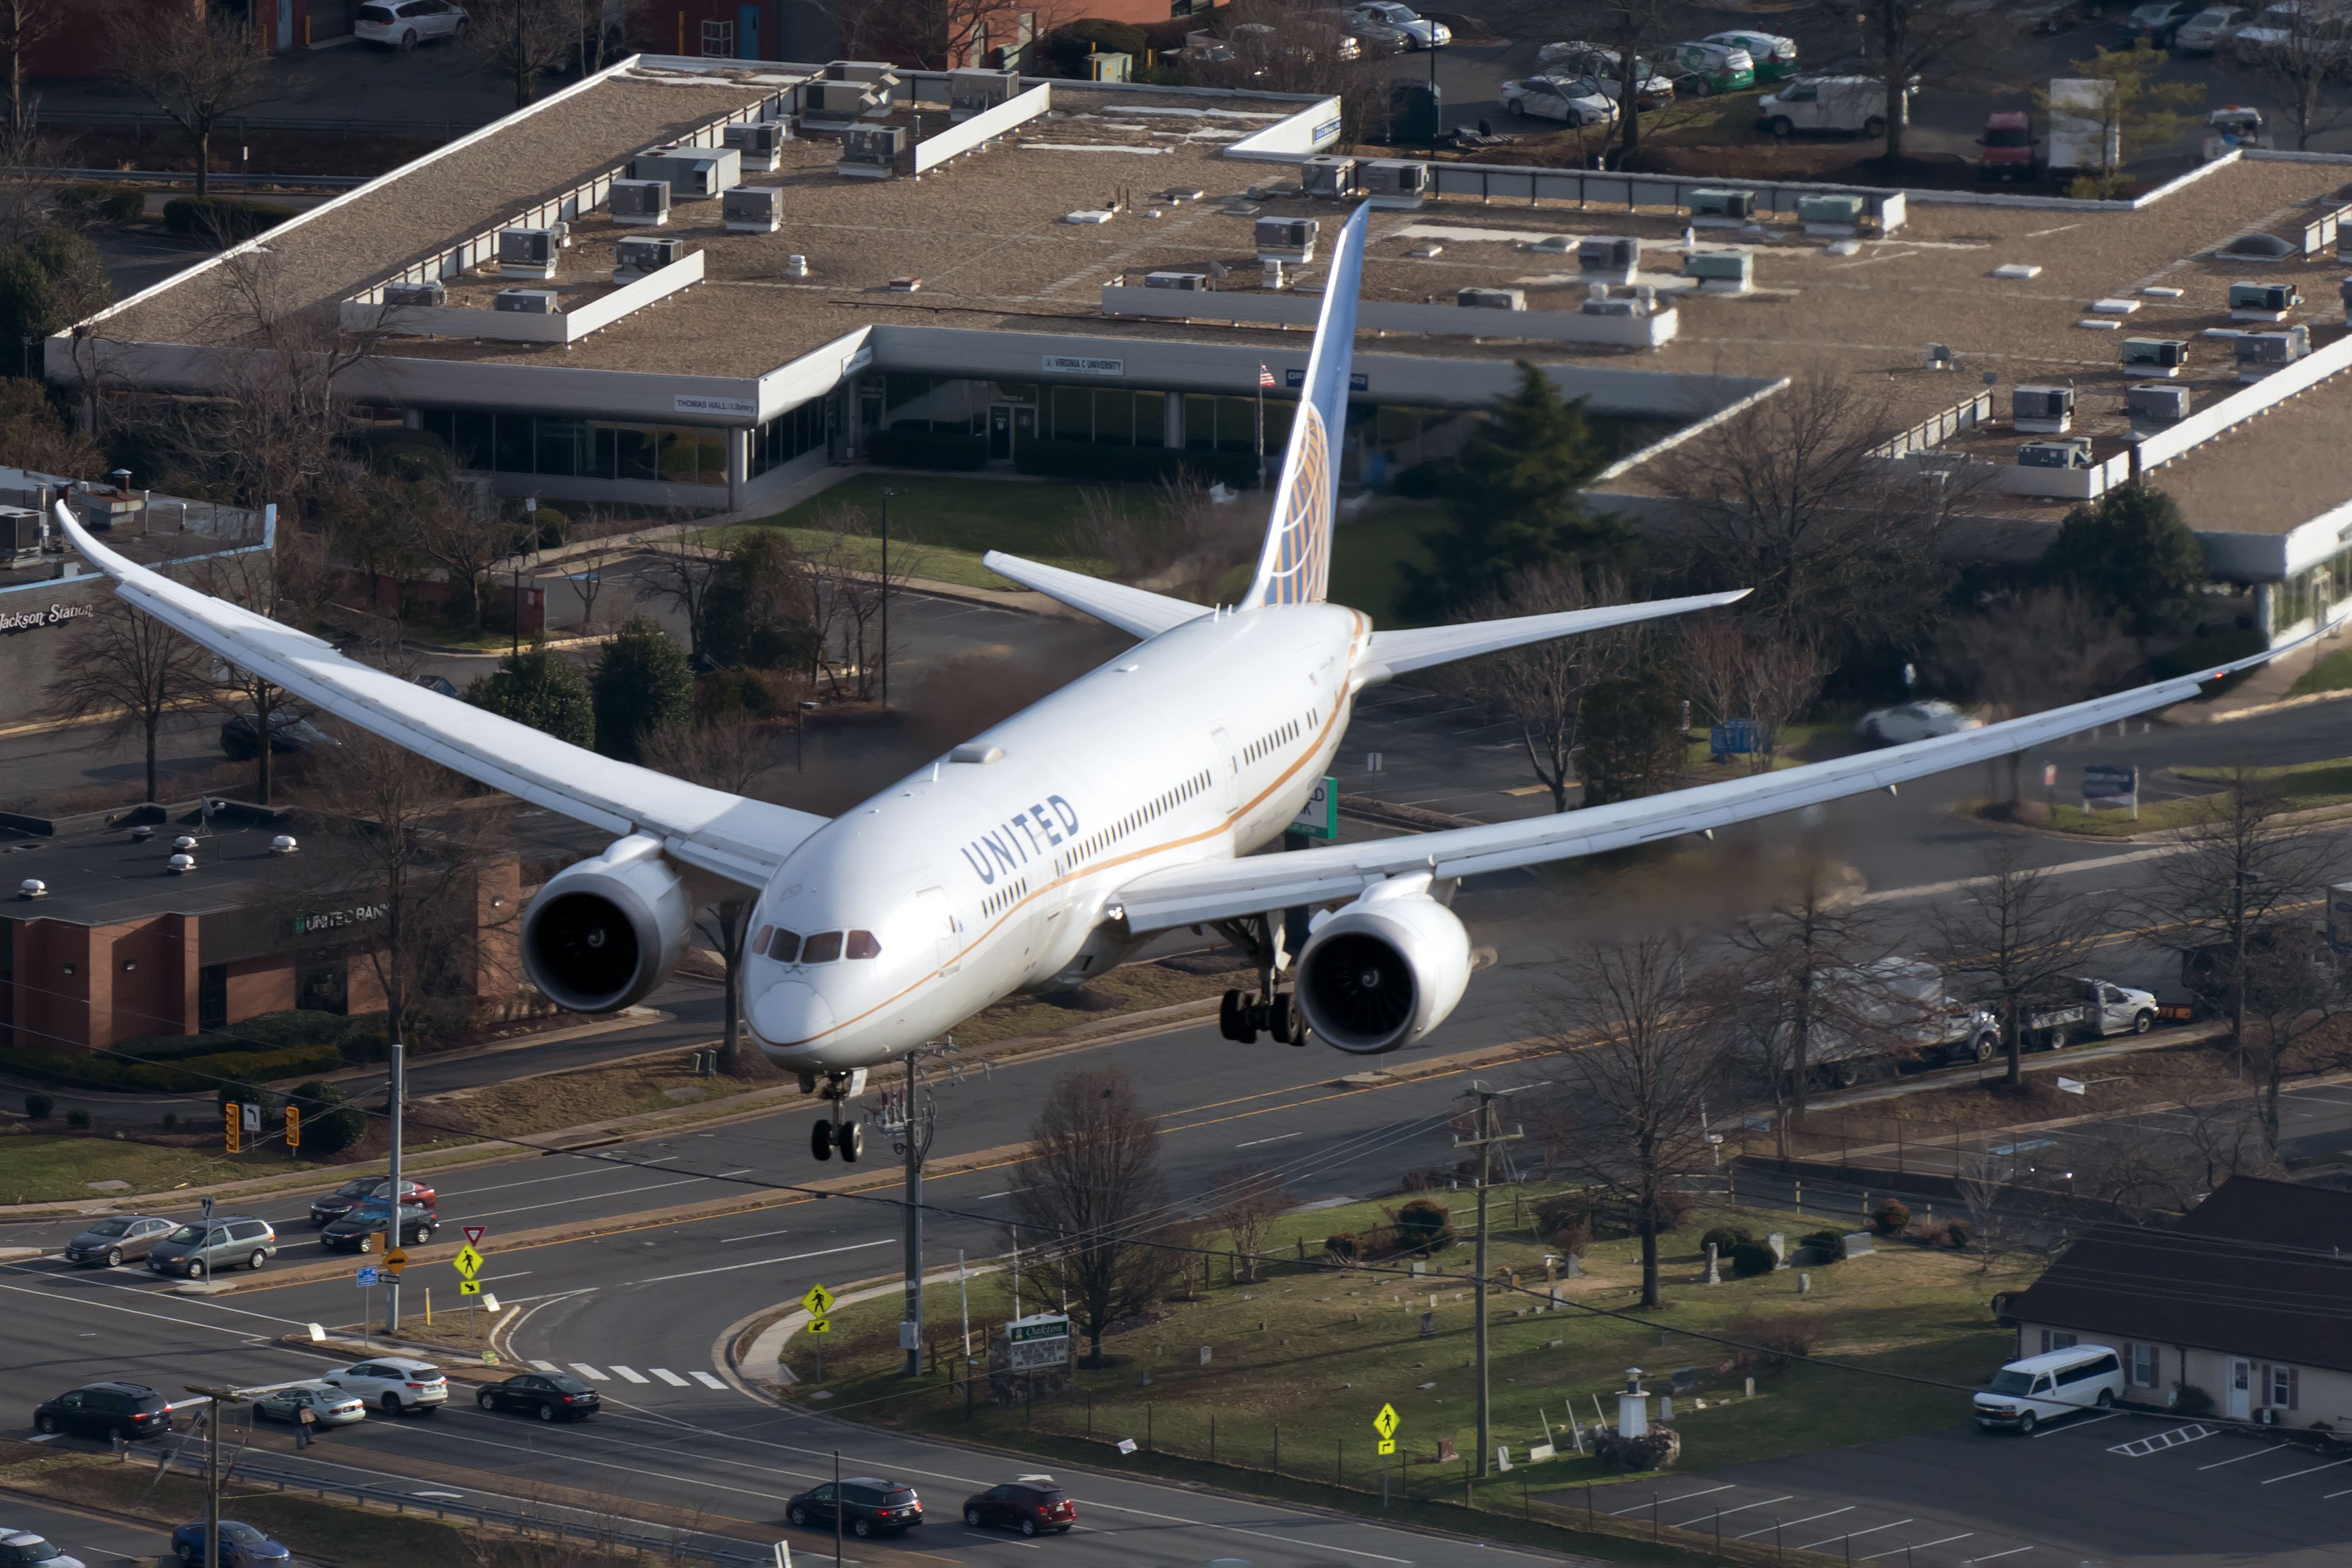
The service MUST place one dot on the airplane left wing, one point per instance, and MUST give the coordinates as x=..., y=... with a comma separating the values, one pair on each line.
x=1221, y=889
x=740, y=840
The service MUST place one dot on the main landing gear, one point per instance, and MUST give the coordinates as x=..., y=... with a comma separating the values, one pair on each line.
x=831, y=1132
x=1244, y=1014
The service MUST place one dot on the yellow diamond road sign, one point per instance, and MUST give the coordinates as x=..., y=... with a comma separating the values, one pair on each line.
x=468, y=1262
x=1385, y=1423
x=818, y=1301
x=395, y=1260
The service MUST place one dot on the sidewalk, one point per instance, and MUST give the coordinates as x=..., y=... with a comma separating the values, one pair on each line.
x=2264, y=690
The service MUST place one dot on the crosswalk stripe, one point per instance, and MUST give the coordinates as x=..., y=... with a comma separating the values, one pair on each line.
x=670, y=1377
x=589, y=1373
x=707, y=1381
x=546, y=1366
x=632, y=1373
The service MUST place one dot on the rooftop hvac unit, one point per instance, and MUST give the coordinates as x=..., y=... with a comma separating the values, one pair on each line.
x=2042, y=410
x=1492, y=298
x=753, y=209
x=693, y=173
x=1326, y=175
x=1110, y=66
x=528, y=252
x=1837, y=215
x=835, y=101
x=640, y=200
x=1721, y=271
x=2262, y=302
x=1739, y=206
x=430, y=292
x=1607, y=305
x=871, y=152
x=20, y=534
x=1393, y=179
x=971, y=92
x=1185, y=282
x=1270, y=274
x=757, y=143
x=2154, y=356
x=1288, y=240
x=527, y=301
x=2258, y=354
x=881, y=72
x=1608, y=257
x=640, y=254
x=2165, y=405
x=2072, y=453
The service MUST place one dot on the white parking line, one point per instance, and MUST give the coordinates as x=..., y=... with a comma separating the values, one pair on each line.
x=1662, y=1501
x=2078, y=1426
x=707, y=1381
x=1743, y=1508
x=2331, y=1497
x=632, y=1373
x=2312, y=1471
x=1809, y=1519
x=670, y=1377
x=1998, y=1555
x=1854, y=1534
x=1921, y=1546
x=2249, y=1454
x=589, y=1373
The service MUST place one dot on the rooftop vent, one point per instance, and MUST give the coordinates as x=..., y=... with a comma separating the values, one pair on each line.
x=977, y=752
x=1396, y=179
x=2257, y=247
x=2262, y=302
x=141, y=834
x=1604, y=305
x=2164, y=404
x=432, y=292
x=1737, y=205
x=971, y=92
x=2042, y=410
x=2072, y=453
x=528, y=252
x=527, y=301
x=284, y=844
x=642, y=253
x=758, y=144
x=1285, y=240
x=32, y=888
x=2258, y=354
x=180, y=865
x=183, y=842
x=693, y=173
x=1830, y=214
x=753, y=209
x=640, y=200
x=1608, y=257
x=1721, y=271
x=1186, y=282
x=2154, y=356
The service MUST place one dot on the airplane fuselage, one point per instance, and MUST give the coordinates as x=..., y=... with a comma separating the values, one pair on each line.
x=973, y=880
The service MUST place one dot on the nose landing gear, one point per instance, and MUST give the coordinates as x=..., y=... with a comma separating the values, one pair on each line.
x=831, y=1132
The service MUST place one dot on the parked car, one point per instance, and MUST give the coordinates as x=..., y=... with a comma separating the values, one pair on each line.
x=117, y=1239
x=550, y=1396
x=22, y=1549
x=1774, y=56
x=2009, y=147
x=2284, y=29
x=1580, y=59
x=1914, y=721
x=371, y=1217
x=351, y=1193
x=868, y=1507
x=2101, y=1010
x=2234, y=127
x=239, y=1543
x=1574, y=101
x=2158, y=23
x=2206, y=31
x=197, y=1250
x=329, y=1405
x=288, y=735
x=405, y=24
x=126, y=1410
x=1855, y=105
x=2024, y=1394
x=1713, y=67
x=1384, y=21
x=393, y=1384
x=1031, y=1505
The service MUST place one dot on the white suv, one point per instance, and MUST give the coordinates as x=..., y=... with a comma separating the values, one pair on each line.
x=394, y=1384
x=405, y=24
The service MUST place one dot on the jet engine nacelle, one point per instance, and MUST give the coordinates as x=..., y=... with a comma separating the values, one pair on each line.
x=603, y=934
x=1380, y=973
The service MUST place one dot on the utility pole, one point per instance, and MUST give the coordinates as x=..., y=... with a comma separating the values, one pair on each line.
x=219, y=1398
x=886, y=642
x=397, y=1091
x=1484, y=1143
x=911, y=1124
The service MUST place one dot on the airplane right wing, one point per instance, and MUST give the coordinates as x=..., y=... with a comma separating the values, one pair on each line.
x=1222, y=890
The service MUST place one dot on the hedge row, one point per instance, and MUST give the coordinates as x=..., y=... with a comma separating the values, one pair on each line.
x=263, y=1032
x=903, y=447
x=1087, y=460
x=222, y=218
x=172, y=1078
x=98, y=200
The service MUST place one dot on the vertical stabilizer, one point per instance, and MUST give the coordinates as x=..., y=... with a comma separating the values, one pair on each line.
x=1295, y=567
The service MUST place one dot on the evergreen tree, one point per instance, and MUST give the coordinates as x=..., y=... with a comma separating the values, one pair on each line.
x=539, y=687
x=2131, y=555
x=753, y=614
x=1512, y=491
x=1634, y=742
x=643, y=684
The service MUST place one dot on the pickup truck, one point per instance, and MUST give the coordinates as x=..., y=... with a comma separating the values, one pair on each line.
x=1892, y=1013
x=2103, y=1010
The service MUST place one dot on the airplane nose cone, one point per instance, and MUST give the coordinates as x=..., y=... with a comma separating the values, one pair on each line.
x=789, y=1012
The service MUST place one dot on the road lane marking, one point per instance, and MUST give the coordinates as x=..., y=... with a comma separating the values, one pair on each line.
x=1275, y=1139
x=632, y=1373
x=1998, y=1555
x=546, y=1366
x=763, y=1262
x=668, y=1376
x=707, y=1381
x=624, y=1192
x=589, y=1373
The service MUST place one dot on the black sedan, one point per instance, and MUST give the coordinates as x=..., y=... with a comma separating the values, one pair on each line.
x=550, y=1395
x=1031, y=1505
x=372, y=1217
x=288, y=734
x=351, y=1193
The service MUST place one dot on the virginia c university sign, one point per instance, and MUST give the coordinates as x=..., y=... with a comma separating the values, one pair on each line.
x=32, y=620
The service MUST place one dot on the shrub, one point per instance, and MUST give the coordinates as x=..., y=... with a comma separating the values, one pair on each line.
x=909, y=446
x=330, y=1122
x=171, y=1121
x=1656, y=1450
x=2218, y=645
x=1344, y=1245
x=1750, y=1258
x=39, y=1105
x=101, y=201
x=263, y=1032
x=539, y=686
x=1827, y=1245
x=548, y=524
x=1573, y=1237
x=1423, y=1226
x=1563, y=1214
x=1935, y=1232
x=1958, y=1233
x=1768, y=1343
x=1890, y=1218
x=77, y=1120
x=171, y=1078
x=1725, y=1239
x=222, y=218
x=2188, y=1399
x=643, y=683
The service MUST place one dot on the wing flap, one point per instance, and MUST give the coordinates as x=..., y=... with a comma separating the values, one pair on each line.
x=1420, y=648
x=740, y=839
x=1136, y=611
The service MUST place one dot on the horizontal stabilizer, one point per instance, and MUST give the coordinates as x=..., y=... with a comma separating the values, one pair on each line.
x=1136, y=611
x=1400, y=652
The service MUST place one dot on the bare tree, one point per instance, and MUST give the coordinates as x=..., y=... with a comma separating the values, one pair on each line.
x=1095, y=1201
x=464, y=543
x=2042, y=647
x=249, y=580
x=1982, y=1178
x=2296, y=987
x=1637, y=1047
x=1172, y=539
x=1905, y=39
x=2017, y=935
x=681, y=572
x=1249, y=1201
x=2299, y=67
x=1801, y=993
x=588, y=577
x=129, y=670
x=1543, y=686
x=24, y=23
x=522, y=40
x=938, y=35
x=197, y=64
x=1766, y=679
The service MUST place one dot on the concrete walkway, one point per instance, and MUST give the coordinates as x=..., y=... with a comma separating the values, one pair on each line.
x=2264, y=690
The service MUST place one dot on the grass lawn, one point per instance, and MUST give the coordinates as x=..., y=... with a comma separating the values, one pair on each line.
x=2333, y=673
x=956, y=520
x=1376, y=556
x=1311, y=1355
x=42, y=1168
x=2307, y=786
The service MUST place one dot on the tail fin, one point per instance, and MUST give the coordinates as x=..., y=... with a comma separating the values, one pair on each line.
x=1296, y=566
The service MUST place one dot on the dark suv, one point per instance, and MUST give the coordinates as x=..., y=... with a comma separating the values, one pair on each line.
x=125, y=1410
x=1030, y=1505
x=869, y=1507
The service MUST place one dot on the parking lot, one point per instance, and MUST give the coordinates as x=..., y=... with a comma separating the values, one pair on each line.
x=2111, y=1488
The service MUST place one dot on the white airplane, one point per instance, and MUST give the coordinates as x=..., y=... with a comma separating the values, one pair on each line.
x=1048, y=848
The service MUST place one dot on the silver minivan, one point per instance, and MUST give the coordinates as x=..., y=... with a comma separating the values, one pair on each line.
x=2024, y=1394
x=199, y=1250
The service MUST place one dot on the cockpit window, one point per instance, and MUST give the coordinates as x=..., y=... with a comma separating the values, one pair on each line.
x=862, y=945
x=822, y=948
x=783, y=946
x=760, y=943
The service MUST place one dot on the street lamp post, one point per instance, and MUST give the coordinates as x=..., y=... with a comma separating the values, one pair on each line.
x=912, y=1121
x=397, y=1091
x=886, y=616
x=1435, y=114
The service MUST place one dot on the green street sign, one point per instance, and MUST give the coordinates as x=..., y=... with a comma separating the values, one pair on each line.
x=1319, y=817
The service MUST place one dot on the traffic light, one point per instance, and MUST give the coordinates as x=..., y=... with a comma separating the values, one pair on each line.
x=293, y=1128
x=232, y=1124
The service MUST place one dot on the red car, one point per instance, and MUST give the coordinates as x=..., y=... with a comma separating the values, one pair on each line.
x=1031, y=1505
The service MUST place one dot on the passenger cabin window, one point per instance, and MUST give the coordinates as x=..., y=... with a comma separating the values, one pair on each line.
x=861, y=945
x=822, y=948
x=784, y=946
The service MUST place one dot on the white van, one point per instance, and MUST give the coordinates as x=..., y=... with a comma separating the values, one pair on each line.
x=1853, y=104
x=2024, y=1394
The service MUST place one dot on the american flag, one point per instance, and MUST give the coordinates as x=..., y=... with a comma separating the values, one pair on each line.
x=1265, y=377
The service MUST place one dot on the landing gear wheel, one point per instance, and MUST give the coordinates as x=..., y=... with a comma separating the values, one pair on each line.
x=1282, y=1020
x=821, y=1140
x=1229, y=1016
x=850, y=1139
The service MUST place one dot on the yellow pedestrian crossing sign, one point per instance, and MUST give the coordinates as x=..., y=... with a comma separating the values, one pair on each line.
x=468, y=1262
x=469, y=1288
x=1386, y=1423
x=817, y=1303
